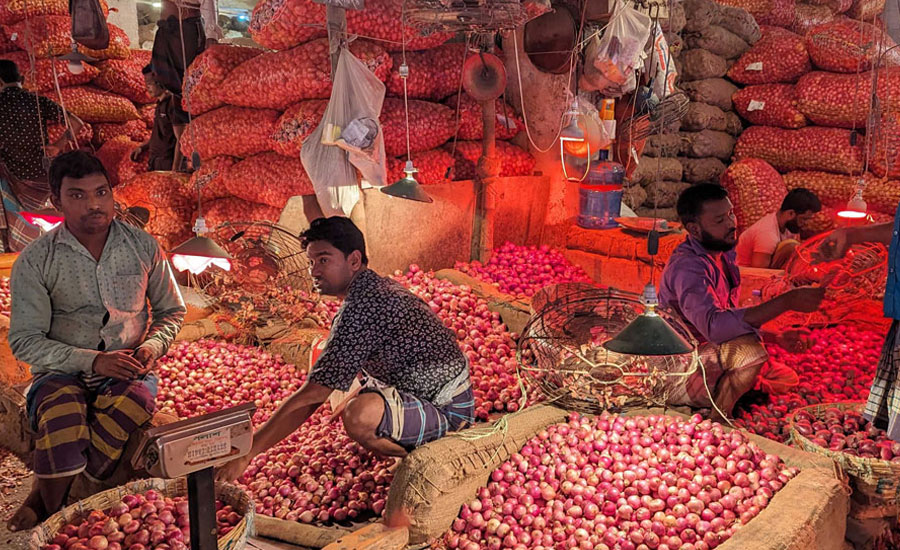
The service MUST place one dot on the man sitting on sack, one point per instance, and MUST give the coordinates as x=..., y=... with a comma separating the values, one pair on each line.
x=701, y=283
x=94, y=304
x=407, y=380
x=770, y=242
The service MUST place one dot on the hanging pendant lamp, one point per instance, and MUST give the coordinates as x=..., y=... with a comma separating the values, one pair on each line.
x=649, y=333
x=407, y=187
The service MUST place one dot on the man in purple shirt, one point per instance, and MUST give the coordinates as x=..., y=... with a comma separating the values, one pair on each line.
x=701, y=282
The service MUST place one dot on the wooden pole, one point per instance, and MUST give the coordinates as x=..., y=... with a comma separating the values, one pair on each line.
x=486, y=172
x=337, y=27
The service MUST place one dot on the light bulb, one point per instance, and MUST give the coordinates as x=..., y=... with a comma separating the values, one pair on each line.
x=856, y=207
x=76, y=67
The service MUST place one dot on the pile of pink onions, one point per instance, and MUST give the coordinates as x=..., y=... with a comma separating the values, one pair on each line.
x=139, y=522
x=838, y=366
x=627, y=483
x=523, y=270
x=481, y=335
x=848, y=432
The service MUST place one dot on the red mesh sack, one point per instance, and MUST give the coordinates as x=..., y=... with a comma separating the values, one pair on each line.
x=93, y=105
x=238, y=210
x=430, y=125
x=779, y=13
x=846, y=46
x=866, y=10
x=842, y=100
x=433, y=74
x=882, y=195
x=42, y=78
x=283, y=24
x=275, y=80
x=381, y=20
x=809, y=16
x=810, y=148
x=769, y=105
x=211, y=176
x=234, y=131
x=55, y=132
x=755, y=188
x=514, y=161
x=432, y=167
x=203, y=79
x=165, y=195
x=123, y=77
x=119, y=46
x=884, y=159
x=115, y=155
x=135, y=130
x=6, y=45
x=147, y=113
x=779, y=56
x=13, y=11
x=508, y=123
x=49, y=35
x=268, y=178
x=296, y=124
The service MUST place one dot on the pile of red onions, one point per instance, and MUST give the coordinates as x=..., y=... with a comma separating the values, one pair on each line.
x=838, y=366
x=201, y=377
x=848, y=432
x=523, y=270
x=139, y=522
x=481, y=335
x=5, y=296
x=651, y=482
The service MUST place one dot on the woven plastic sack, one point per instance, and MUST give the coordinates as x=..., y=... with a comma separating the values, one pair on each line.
x=296, y=124
x=842, y=100
x=769, y=105
x=267, y=178
x=866, y=10
x=846, y=46
x=42, y=78
x=432, y=166
x=514, y=161
x=234, y=131
x=209, y=179
x=507, y=126
x=55, y=132
x=283, y=24
x=430, y=125
x=381, y=20
x=238, y=210
x=275, y=80
x=93, y=105
x=433, y=74
x=123, y=77
x=119, y=46
x=755, y=188
x=115, y=155
x=357, y=99
x=779, y=13
x=779, y=56
x=810, y=148
x=203, y=79
x=135, y=130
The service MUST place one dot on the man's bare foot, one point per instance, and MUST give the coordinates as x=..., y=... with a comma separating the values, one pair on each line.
x=30, y=513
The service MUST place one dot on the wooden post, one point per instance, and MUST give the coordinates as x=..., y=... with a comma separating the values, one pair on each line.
x=485, y=196
x=337, y=27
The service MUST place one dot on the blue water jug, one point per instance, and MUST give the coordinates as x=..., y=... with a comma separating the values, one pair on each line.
x=600, y=194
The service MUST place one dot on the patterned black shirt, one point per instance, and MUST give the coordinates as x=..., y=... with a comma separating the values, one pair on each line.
x=392, y=335
x=22, y=132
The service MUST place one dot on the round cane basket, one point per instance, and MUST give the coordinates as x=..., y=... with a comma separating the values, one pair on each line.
x=232, y=495
x=876, y=479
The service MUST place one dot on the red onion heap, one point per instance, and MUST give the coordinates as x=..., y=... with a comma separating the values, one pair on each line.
x=5, y=296
x=139, y=522
x=838, y=366
x=848, y=432
x=651, y=482
x=523, y=270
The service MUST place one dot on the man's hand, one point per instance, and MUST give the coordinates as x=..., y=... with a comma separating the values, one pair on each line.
x=146, y=358
x=233, y=470
x=833, y=246
x=119, y=364
x=805, y=299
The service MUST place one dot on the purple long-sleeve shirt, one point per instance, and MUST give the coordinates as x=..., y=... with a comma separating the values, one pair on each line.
x=703, y=287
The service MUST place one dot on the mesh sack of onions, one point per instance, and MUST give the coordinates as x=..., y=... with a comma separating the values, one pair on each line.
x=93, y=105
x=755, y=189
x=13, y=11
x=884, y=157
x=268, y=178
x=842, y=100
x=283, y=24
x=382, y=20
x=508, y=123
x=119, y=46
x=41, y=79
x=203, y=79
x=769, y=105
x=147, y=114
x=6, y=45
x=234, y=131
x=846, y=46
x=44, y=36
x=779, y=56
x=882, y=195
x=620, y=496
x=514, y=161
x=135, y=130
x=811, y=15
x=230, y=209
x=432, y=167
x=810, y=148
x=866, y=10
x=275, y=80
x=209, y=179
x=779, y=13
x=115, y=155
x=430, y=125
x=296, y=124
x=433, y=74
x=166, y=196
x=55, y=132
x=123, y=77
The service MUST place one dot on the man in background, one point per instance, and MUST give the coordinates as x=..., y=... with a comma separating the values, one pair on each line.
x=163, y=144
x=770, y=241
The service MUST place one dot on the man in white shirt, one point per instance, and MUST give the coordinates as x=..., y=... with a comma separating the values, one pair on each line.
x=768, y=242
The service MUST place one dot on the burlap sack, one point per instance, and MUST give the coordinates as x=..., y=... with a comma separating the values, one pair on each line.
x=295, y=346
x=709, y=143
x=697, y=64
x=665, y=213
x=719, y=41
x=664, y=194
x=652, y=169
x=741, y=23
x=733, y=124
x=664, y=145
x=434, y=481
x=714, y=91
x=210, y=327
x=677, y=19
x=705, y=170
x=700, y=14
x=701, y=116
x=634, y=195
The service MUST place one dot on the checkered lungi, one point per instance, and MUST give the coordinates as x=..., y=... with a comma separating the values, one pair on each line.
x=883, y=405
x=78, y=429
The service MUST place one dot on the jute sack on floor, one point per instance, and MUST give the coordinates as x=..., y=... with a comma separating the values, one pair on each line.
x=434, y=481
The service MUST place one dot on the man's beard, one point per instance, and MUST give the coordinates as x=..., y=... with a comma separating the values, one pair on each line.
x=713, y=244
x=792, y=226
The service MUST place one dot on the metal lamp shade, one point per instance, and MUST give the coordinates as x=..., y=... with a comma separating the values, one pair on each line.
x=649, y=334
x=407, y=188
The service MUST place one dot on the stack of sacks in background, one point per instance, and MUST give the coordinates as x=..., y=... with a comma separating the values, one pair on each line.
x=253, y=108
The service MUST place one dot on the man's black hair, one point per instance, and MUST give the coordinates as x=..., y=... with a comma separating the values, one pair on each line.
x=339, y=232
x=9, y=72
x=76, y=164
x=801, y=201
x=692, y=199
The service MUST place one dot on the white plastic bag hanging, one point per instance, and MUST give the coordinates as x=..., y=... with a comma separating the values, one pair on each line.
x=348, y=138
x=611, y=60
x=664, y=71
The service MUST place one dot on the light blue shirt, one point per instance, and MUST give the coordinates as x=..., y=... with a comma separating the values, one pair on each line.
x=891, y=294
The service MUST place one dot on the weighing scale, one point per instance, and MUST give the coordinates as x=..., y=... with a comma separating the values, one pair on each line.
x=194, y=448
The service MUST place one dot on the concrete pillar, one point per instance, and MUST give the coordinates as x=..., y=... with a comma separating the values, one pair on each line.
x=123, y=13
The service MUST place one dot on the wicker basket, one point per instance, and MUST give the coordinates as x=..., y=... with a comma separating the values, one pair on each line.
x=229, y=494
x=878, y=480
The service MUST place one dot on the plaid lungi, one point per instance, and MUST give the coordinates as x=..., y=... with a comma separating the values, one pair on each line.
x=27, y=197
x=883, y=405
x=79, y=430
